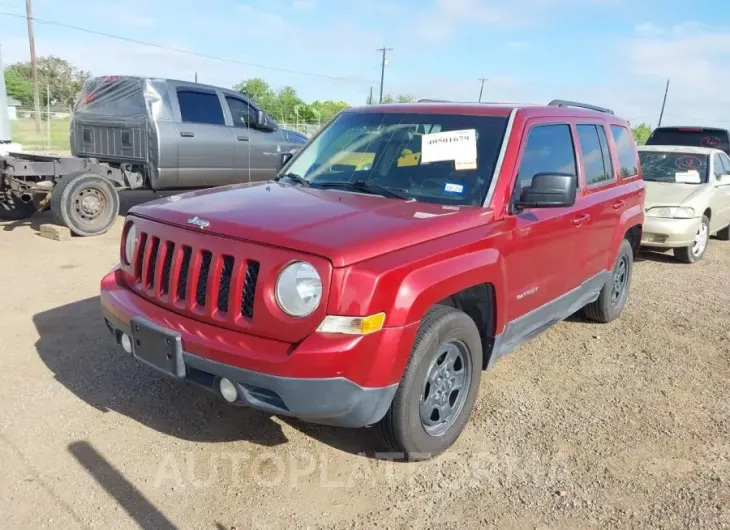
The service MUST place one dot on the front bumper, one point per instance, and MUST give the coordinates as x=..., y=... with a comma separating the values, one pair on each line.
x=661, y=232
x=335, y=380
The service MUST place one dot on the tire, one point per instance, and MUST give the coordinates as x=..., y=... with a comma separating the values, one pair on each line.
x=615, y=292
x=13, y=209
x=724, y=234
x=89, y=218
x=445, y=334
x=693, y=253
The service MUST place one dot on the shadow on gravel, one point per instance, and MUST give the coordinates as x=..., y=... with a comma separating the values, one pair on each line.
x=76, y=346
x=658, y=257
x=129, y=498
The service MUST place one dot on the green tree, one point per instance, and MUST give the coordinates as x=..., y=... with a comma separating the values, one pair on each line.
x=18, y=88
x=401, y=98
x=260, y=92
x=62, y=78
x=323, y=111
x=641, y=133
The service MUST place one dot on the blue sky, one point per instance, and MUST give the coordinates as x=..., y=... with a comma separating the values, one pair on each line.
x=615, y=53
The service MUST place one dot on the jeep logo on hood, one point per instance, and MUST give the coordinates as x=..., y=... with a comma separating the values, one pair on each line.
x=197, y=221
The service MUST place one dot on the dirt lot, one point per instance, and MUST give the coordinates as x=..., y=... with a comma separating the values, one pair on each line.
x=620, y=425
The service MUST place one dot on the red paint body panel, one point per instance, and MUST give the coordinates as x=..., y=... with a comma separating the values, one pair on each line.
x=375, y=254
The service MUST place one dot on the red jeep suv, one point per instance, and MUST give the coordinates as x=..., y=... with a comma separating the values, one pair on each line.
x=395, y=257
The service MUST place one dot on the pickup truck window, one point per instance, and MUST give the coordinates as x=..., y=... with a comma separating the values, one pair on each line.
x=200, y=107
x=241, y=112
x=625, y=145
x=385, y=149
x=596, y=159
x=549, y=149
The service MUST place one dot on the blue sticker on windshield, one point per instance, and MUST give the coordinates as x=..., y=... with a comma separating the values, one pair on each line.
x=450, y=187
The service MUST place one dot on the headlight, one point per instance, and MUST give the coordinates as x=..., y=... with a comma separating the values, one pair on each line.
x=671, y=212
x=130, y=243
x=298, y=289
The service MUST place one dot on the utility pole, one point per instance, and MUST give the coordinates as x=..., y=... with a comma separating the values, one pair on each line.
x=481, y=90
x=34, y=66
x=196, y=77
x=382, y=69
x=664, y=103
x=370, y=99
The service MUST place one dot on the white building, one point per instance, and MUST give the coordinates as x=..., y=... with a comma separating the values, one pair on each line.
x=13, y=105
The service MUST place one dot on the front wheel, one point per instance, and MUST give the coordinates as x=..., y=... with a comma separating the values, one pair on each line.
x=696, y=251
x=86, y=203
x=439, y=386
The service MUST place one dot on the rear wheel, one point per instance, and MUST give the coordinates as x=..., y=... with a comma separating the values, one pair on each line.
x=696, y=251
x=724, y=234
x=12, y=208
x=439, y=386
x=615, y=292
x=86, y=203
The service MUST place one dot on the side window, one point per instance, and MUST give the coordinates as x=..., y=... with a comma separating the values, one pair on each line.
x=626, y=150
x=607, y=160
x=718, y=168
x=243, y=114
x=200, y=107
x=725, y=163
x=594, y=154
x=549, y=149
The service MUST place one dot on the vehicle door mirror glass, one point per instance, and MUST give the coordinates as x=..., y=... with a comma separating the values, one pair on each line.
x=549, y=190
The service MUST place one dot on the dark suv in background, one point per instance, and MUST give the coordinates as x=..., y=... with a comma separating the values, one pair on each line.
x=691, y=136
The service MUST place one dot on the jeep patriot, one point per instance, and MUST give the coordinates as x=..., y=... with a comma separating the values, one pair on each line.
x=402, y=252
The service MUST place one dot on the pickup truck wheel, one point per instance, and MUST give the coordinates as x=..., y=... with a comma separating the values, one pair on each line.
x=86, y=203
x=13, y=209
x=615, y=292
x=696, y=251
x=439, y=386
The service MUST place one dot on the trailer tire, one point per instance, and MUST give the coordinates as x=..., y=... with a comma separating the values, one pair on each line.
x=86, y=203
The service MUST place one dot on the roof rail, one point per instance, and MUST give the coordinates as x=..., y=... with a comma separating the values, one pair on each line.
x=565, y=103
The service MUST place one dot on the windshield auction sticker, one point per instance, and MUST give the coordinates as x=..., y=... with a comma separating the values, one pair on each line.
x=459, y=146
x=687, y=177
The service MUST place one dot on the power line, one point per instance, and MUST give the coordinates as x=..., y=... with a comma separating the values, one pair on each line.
x=186, y=52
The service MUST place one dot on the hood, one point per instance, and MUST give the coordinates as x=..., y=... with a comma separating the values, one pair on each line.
x=342, y=227
x=669, y=193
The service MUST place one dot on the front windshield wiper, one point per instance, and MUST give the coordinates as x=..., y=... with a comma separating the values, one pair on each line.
x=369, y=187
x=296, y=178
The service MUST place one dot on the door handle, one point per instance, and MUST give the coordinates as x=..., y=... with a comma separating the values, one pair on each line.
x=186, y=134
x=242, y=138
x=582, y=219
x=618, y=204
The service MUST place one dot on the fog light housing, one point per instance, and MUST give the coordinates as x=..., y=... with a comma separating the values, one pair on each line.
x=126, y=343
x=228, y=390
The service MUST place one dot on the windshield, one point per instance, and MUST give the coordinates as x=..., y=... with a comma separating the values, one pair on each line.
x=686, y=168
x=694, y=137
x=439, y=158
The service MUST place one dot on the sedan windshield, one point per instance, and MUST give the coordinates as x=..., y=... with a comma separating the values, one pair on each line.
x=439, y=158
x=686, y=168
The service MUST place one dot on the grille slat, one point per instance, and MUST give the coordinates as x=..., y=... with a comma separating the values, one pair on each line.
x=167, y=267
x=202, y=287
x=139, y=257
x=182, y=286
x=249, y=289
x=152, y=263
x=224, y=283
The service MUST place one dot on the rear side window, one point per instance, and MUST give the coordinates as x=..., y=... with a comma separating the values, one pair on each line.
x=725, y=163
x=718, y=168
x=549, y=149
x=626, y=150
x=596, y=158
x=200, y=107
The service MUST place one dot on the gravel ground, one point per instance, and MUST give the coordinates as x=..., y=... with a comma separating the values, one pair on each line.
x=620, y=425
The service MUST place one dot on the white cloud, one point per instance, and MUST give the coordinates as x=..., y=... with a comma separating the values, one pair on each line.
x=305, y=5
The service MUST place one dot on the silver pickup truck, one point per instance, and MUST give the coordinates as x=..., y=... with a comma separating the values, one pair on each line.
x=133, y=132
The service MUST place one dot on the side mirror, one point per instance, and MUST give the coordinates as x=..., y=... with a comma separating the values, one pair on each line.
x=285, y=157
x=263, y=122
x=549, y=190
